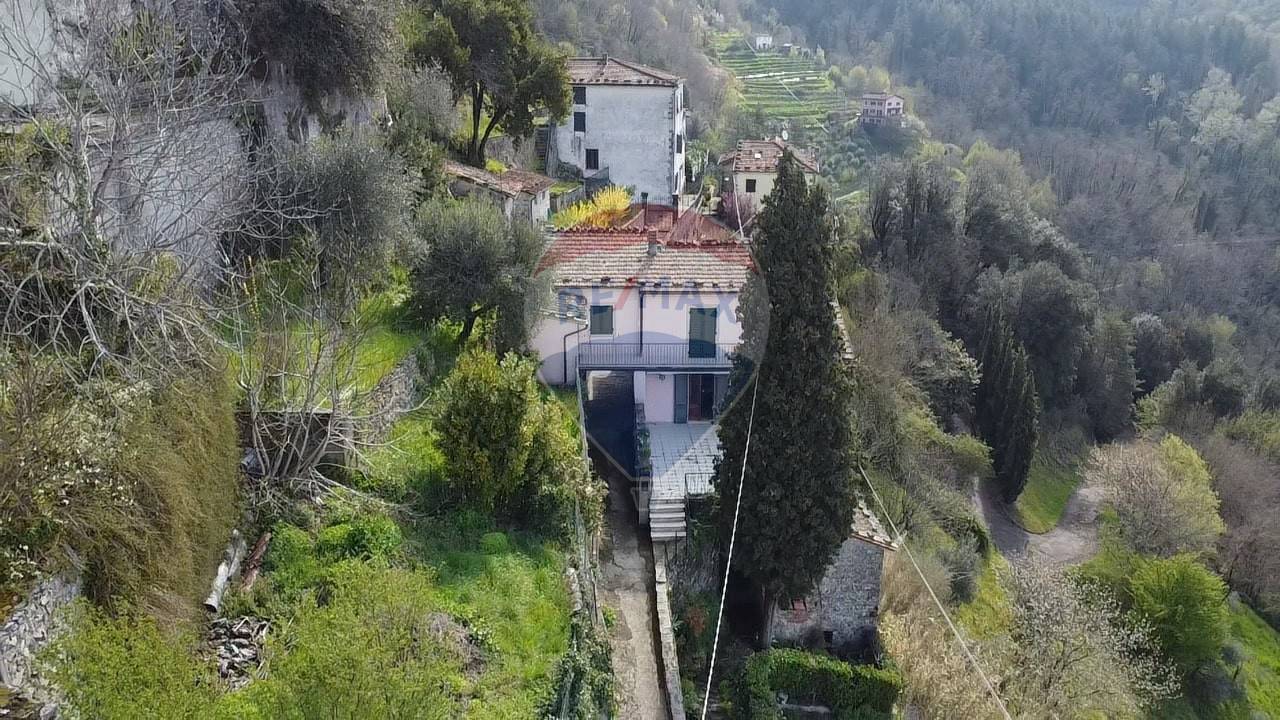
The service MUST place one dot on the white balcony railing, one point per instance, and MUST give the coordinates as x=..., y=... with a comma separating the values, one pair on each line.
x=641, y=356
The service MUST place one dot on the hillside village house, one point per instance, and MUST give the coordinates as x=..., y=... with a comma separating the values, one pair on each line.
x=752, y=168
x=763, y=42
x=841, y=613
x=652, y=302
x=882, y=109
x=522, y=195
x=626, y=127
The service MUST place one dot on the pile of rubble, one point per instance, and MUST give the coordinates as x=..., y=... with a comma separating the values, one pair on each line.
x=238, y=644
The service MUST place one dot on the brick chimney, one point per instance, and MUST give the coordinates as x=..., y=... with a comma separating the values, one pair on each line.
x=654, y=245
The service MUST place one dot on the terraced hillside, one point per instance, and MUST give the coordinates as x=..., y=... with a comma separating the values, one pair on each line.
x=781, y=86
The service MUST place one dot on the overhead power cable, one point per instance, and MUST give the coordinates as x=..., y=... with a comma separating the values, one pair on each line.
x=973, y=660
x=733, y=536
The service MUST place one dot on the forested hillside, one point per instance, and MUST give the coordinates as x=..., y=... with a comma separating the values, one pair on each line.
x=275, y=277
x=1156, y=126
x=1091, y=211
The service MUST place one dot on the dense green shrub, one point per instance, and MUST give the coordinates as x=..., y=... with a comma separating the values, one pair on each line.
x=126, y=667
x=291, y=559
x=807, y=678
x=367, y=537
x=506, y=448
x=1185, y=604
x=494, y=543
x=584, y=675
x=484, y=426
x=1182, y=601
x=1260, y=430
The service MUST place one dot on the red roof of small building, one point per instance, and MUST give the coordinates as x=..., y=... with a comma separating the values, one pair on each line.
x=693, y=250
x=528, y=181
x=510, y=182
x=612, y=71
x=764, y=156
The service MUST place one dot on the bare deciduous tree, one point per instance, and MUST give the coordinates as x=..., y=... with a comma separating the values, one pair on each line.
x=1163, y=507
x=1249, y=554
x=133, y=116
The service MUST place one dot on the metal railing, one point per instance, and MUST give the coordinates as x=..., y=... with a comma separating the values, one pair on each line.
x=699, y=483
x=642, y=356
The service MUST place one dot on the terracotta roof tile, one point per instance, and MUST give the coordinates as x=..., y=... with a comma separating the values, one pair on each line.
x=764, y=156
x=612, y=71
x=619, y=257
x=691, y=227
x=528, y=181
x=510, y=183
x=867, y=528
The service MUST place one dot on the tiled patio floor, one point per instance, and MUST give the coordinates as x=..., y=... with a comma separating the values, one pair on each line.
x=680, y=452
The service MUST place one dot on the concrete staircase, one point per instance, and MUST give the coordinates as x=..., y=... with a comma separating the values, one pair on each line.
x=666, y=519
x=541, y=141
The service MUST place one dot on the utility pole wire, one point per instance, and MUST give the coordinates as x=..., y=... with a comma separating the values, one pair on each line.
x=733, y=535
x=973, y=660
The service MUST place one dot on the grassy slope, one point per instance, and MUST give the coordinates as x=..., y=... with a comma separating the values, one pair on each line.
x=1260, y=671
x=514, y=587
x=1049, y=486
x=1259, y=675
x=987, y=614
x=782, y=87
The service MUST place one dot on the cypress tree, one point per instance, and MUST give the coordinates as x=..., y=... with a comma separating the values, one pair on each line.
x=797, y=499
x=1008, y=407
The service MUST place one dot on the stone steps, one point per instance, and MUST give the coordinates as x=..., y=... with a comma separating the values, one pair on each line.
x=666, y=519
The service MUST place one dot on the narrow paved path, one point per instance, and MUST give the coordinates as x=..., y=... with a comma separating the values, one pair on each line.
x=627, y=569
x=1072, y=541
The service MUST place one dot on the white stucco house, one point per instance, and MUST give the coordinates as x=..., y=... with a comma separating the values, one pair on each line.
x=763, y=42
x=752, y=168
x=627, y=125
x=522, y=195
x=880, y=108
x=656, y=299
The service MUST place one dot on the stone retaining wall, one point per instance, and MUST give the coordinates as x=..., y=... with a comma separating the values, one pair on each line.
x=393, y=396
x=667, y=638
x=31, y=627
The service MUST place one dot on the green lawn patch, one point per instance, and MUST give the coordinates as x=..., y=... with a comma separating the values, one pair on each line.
x=379, y=352
x=1049, y=486
x=561, y=187
x=513, y=585
x=1260, y=671
x=988, y=614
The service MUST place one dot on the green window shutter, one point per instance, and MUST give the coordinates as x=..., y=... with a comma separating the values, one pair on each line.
x=601, y=320
x=702, y=332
